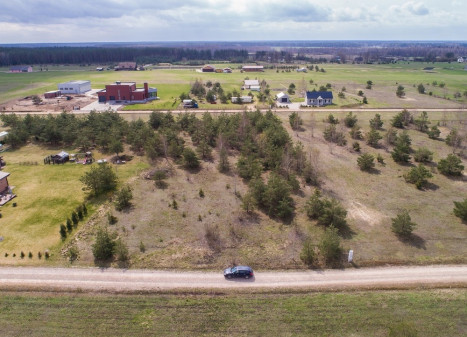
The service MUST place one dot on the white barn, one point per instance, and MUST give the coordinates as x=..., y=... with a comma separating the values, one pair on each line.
x=74, y=87
x=282, y=98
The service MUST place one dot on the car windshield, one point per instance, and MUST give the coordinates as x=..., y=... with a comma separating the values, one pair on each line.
x=234, y=269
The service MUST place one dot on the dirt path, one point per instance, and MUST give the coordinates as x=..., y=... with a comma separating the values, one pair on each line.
x=81, y=112
x=95, y=279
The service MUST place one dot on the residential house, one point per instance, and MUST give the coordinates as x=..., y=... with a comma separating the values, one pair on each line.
x=5, y=191
x=318, y=98
x=302, y=70
x=247, y=84
x=461, y=60
x=227, y=70
x=21, y=69
x=282, y=98
x=126, y=92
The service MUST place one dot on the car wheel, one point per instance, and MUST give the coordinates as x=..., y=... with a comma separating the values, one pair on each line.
x=229, y=276
x=247, y=276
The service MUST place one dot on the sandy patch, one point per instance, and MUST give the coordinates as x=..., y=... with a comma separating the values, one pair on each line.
x=364, y=215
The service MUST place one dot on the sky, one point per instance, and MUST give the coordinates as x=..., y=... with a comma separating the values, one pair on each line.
x=66, y=21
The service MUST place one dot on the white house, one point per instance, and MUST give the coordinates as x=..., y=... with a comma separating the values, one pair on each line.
x=282, y=98
x=302, y=70
x=460, y=60
x=318, y=98
x=247, y=84
x=243, y=99
x=74, y=87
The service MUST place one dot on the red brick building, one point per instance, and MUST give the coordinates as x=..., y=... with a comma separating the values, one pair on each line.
x=126, y=92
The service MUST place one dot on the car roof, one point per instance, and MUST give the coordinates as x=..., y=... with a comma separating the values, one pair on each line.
x=243, y=268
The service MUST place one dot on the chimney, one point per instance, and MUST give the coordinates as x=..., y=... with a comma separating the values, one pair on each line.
x=146, y=90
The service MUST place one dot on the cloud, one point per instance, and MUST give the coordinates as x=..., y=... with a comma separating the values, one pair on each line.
x=414, y=8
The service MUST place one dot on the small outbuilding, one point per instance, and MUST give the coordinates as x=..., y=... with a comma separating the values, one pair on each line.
x=74, y=87
x=248, y=84
x=126, y=66
x=208, y=69
x=242, y=99
x=5, y=190
x=53, y=94
x=282, y=98
x=21, y=69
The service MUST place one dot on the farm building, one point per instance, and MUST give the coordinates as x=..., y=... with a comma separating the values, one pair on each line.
x=5, y=191
x=248, y=84
x=52, y=94
x=461, y=59
x=127, y=92
x=208, y=69
x=21, y=69
x=227, y=70
x=318, y=98
x=126, y=66
x=3, y=134
x=74, y=87
x=242, y=99
x=282, y=98
x=253, y=68
x=301, y=70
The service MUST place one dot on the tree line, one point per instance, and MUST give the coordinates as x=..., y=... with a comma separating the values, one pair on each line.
x=10, y=56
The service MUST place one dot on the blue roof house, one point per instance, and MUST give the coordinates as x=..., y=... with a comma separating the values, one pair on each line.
x=318, y=98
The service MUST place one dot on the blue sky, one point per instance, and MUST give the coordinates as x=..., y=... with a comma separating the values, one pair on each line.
x=35, y=21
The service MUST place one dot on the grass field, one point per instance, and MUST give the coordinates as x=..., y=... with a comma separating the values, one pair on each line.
x=46, y=196
x=429, y=313
x=171, y=83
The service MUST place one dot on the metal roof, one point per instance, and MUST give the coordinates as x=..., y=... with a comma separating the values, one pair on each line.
x=316, y=94
x=3, y=175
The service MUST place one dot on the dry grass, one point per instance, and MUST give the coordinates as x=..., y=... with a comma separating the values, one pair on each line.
x=226, y=234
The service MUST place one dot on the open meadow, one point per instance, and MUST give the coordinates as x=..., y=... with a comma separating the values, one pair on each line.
x=420, y=312
x=172, y=82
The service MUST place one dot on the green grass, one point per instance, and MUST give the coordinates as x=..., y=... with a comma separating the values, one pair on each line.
x=430, y=313
x=171, y=83
x=46, y=196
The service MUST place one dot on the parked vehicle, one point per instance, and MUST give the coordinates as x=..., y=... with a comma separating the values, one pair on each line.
x=238, y=272
x=189, y=104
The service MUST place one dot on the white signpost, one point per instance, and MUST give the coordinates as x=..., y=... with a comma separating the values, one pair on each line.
x=350, y=258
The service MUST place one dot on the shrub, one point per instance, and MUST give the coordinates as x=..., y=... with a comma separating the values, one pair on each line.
x=6, y=254
x=123, y=198
x=460, y=209
x=200, y=218
x=30, y=255
x=350, y=120
x=142, y=247
x=360, y=93
x=307, y=255
x=121, y=251
x=376, y=123
x=434, y=132
x=451, y=165
x=418, y=175
x=314, y=205
x=100, y=179
x=402, y=224
x=332, y=120
x=332, y=135
x=190, y=159
x=365, y=100
x=356, y=146
x=421, y=88
x=73, y=253
x=39, y=255
x=366, y=162
x=201, y=193
x=224, y=164
x=329, y=246
x=159, y=177
x=355, y=132
x=74, y=218
x=295, y=120
x=423, y=155
x=174, y=204
x=69, y=227
x=85, y=209
x=380, y=159
x=22, y=255
x=47, y=255
x=111, y=218
x=63, y=231
x=103, y=247
x=373, y=137
x=249, y=203
x=326, y=211
x=80, y=213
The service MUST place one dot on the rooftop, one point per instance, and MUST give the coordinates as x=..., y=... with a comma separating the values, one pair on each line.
x=3, y=175
x=317, y=94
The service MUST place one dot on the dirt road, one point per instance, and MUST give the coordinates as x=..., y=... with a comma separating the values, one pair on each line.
x=139, y=112
x=95, y=279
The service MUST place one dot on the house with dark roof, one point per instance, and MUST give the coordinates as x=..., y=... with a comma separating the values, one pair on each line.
x=318, y=98
x=21, y=69
x=208, y=69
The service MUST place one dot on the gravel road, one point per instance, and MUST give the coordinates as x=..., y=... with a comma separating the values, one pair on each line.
x=95, y=279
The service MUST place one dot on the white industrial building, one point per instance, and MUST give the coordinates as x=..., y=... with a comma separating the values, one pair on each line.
x=74, y=87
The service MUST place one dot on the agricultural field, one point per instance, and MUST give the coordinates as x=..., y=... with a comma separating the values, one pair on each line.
x=171, y=83
x=401, y=313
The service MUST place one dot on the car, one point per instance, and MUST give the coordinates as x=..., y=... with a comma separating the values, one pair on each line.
x=238, y=272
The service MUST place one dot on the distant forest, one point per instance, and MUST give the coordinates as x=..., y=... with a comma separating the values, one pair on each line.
x=237, y=52
x=10, y=56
